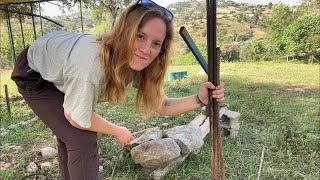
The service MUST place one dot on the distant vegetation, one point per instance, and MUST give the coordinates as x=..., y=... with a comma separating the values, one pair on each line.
x=244, y=31
x=252, y=32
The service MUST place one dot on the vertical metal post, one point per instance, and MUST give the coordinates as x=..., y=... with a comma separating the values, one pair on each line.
x=40, y=18
x=7, y=98
x=13, y=52
x=217, y=165
x=33, y=23
x=22, y=34
x=81, y=15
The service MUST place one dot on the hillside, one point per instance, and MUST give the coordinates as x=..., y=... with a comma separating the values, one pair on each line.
x=234, y=20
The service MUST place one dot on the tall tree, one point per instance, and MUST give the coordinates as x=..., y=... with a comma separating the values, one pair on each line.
x=282, y=15
x=294, y=31
x=303, y=35
x=104, y=7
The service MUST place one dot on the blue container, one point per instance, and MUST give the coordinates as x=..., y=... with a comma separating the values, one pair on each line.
x=177, y=75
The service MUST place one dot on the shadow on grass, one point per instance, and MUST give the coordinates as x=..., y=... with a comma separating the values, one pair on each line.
x=283, y=121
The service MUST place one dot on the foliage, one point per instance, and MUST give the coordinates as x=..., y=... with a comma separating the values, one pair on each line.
x=246, y=51
x=231, y=56
x=303, y=35
x=230, y=52
x=256, y=50
x=292, y=32
x=24, y=8
x=101, y=9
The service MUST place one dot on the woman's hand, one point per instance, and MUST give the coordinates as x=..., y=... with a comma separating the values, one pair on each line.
x=217, y=93
x=123, y=136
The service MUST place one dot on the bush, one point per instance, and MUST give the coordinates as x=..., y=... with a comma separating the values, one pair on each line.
x=255, y=50
x=230, y=52
x=231, y=56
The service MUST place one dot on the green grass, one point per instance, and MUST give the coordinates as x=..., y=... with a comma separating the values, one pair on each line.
x=286, y=123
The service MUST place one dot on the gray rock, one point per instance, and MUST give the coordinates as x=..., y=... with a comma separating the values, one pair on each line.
x=145, y=136
x=164, y=125
x=140, y=125
x=45, y=165
x=4, y=133
x=32, y=167
x=13, y=126
x=155, y=154
x=2, y=129
x=188, y=137
x=159, y=173
x=48, y=152
x=23, y=123
x=4, y=165
x=100, y=169
x=299, y=90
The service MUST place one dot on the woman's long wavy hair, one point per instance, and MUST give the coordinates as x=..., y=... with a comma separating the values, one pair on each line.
x=117, y=50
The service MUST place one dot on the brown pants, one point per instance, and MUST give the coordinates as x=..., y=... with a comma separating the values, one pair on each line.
x=78, y=150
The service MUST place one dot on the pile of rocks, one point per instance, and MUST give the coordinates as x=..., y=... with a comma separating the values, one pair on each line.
x=47, y=153
x=159, y=151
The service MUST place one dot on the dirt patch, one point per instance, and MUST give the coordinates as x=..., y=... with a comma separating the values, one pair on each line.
x=12, y=153
x=10, y=159
x=299, y=89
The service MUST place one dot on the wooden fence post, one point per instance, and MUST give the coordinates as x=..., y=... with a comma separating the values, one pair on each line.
x=7, y=99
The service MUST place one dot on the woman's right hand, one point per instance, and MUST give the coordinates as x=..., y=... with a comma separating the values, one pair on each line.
x=123, y=136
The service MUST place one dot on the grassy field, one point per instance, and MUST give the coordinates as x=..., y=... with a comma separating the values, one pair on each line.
x=279, y=106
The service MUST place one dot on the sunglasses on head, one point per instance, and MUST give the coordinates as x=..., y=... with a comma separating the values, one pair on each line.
x=150, y=4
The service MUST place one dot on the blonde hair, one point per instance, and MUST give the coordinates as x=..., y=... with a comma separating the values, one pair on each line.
x=116, y=51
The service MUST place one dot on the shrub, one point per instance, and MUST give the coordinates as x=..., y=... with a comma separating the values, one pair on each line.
x=230, y=52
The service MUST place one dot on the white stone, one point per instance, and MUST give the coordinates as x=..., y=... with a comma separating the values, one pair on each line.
x=45, y=165
x=4, y=133
x=13, y=126
x=48, y=152
x=23, y=123
x=100, y=169
x=141, y=125
x=2, y=129
x=300, y=90
x=32, y=167
x=4, y=165
x=164, y=125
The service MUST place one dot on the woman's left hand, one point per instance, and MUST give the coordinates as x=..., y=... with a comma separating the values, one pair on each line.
x=217, y=93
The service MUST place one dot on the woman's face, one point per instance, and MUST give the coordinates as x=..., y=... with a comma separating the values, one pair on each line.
x=148, y=43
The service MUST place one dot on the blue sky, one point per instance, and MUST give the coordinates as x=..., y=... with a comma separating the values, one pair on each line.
x=52, y=10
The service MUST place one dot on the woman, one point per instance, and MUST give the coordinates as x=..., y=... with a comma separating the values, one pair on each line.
x=62, y=75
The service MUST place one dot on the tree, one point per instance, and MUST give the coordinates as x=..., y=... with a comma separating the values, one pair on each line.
x=282, y=15
x=101, y=8
x=303, y=35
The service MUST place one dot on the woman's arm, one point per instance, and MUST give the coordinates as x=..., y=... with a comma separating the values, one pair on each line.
x=176, y=106
x=100, y=125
